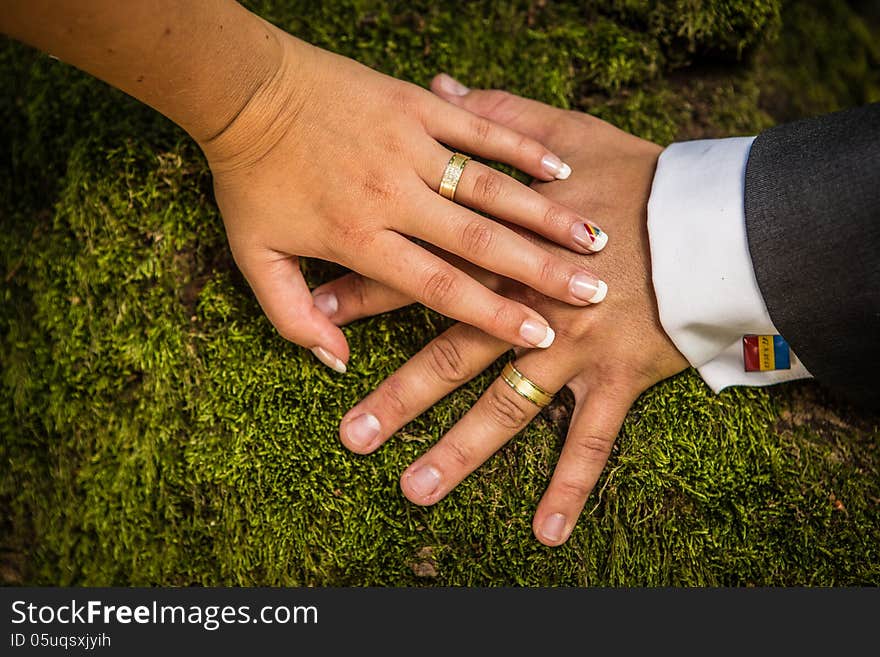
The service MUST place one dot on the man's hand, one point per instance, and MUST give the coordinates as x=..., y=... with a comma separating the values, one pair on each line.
x=606, y=354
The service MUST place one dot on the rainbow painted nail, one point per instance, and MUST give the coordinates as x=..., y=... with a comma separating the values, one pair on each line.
x=590, y=237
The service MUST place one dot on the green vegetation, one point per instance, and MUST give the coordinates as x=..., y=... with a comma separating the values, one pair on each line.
x=155, y=430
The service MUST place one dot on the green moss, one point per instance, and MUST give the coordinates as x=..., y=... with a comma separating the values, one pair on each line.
x=705, y=26
x=156, y=430
x=843, y=53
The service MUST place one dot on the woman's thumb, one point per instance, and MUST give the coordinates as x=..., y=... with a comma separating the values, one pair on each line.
x=287, y=302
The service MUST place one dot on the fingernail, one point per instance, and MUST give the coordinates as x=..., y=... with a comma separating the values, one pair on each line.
x=329, y=359
x=362, y=430
x=424, y=481
x=537, y=333
x=553, y=527
x=452, y=86
x=327, y=303
x=591, y=237
x=555, y=167
x=587, y=288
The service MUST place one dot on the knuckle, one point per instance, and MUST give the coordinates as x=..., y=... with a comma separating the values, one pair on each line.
x=394, y=397
x=487, y=188
x=547, y=270
x=438, y=287
x=459, y=453
x=379, y=190
x=616, y=375
x=498, y=103
x=503, y=317
x=477, y=237
x=391, y=145
x=556, y=217
x=524, y=144
x=573, y=489
x=593, y=448
x=446, y=361
x=481, y=129
x=505, y=408
x=357, y=290
x=340, y=235
x=405, y=97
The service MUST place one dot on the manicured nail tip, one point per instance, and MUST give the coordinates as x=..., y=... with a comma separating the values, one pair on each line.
x=600, y=239
x=553, y=527
x=600, y=293
x=450, y=85
x=584, y=287
x=362, y=430
x=327, y=303
x=424, y=481
x=536, y=333
x=589, y=237
x=552, y=165
x=564, y=172
x=581, y=236
x=329, y=359
x=548, y=339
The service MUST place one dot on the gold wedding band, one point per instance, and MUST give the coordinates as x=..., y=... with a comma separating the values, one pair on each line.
x=451, y=175
x=525, y=388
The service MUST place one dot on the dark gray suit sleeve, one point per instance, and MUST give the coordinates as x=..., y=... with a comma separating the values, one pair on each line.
x=812, y=206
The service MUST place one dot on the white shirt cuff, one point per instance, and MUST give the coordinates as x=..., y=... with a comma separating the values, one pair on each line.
x=705, y=284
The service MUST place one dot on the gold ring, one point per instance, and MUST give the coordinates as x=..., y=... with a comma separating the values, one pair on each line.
x=525, y=388
x=451, y=175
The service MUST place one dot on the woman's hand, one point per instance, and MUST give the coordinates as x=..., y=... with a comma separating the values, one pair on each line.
x=316, y=155
x=333, y=160
x=607, y=355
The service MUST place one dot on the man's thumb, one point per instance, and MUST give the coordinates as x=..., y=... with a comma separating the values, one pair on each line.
x=528, y=117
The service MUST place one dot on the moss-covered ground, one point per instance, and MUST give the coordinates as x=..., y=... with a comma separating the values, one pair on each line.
x=154, y=429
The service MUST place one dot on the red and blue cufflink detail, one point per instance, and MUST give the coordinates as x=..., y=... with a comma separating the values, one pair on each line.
x=765, y=353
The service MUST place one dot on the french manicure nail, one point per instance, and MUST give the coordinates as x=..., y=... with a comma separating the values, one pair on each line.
x=452, y=86
x=587, y=288
x=327, y=303
x=555, y=167
x=424, y=481
x=362, y=430
x=329, y=359
x=553, y=527
x=591, y=237
x=537, y=333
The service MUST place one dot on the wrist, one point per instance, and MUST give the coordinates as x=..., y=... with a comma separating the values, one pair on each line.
x=245, y=62
x=266, y=105
x=197, y=63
